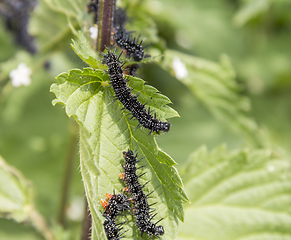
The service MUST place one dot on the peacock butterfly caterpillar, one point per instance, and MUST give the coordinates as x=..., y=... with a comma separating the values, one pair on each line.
x=141, y=209
x=113, y=206
x=128, y=100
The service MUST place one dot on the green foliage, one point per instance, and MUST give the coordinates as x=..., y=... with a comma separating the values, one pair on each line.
x=236, y=195
x=106, y=132
x=215, y=86
x=15, y=195
x=13, y=231
x=241, y=194
x=16, y=199
x=84, y=50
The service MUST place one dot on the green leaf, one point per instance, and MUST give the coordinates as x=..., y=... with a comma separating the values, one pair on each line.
x=16, y=200
x=237, y=195
x=15, y=193
x=84, y=50
x=214, y=85
x=106, y=131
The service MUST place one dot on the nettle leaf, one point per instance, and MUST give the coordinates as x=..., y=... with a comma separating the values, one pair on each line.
x=241, y=195
x=16, y=200
x=84, y=50
x=106, y=131
x=15, y=193
x=214, y=85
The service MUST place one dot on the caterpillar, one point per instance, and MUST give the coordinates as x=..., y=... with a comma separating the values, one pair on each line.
x=128, y=100
x=111, y=229
x=115, y=204
x=141, y=208
x=122, y=38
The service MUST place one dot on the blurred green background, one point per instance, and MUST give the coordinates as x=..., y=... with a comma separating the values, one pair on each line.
x=37, y=138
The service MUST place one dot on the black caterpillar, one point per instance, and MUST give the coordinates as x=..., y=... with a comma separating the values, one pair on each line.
x=141, y=207
x=123, y=39
x=116, y=204
x=129, y=101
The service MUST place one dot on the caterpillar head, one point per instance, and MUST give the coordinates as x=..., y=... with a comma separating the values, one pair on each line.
x=159, y=230
x=109, y=58
x=165, y=126
x=138, y=53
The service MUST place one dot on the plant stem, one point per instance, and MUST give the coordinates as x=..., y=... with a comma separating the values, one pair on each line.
x=105, y=22
x=68, y=172
x=40, y=224
x=87, y=223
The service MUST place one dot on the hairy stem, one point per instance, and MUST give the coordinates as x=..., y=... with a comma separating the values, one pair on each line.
x=68, y=172
x=105, y=22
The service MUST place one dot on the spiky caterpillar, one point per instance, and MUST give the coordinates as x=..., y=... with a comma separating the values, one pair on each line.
x=123, y=39
x=128, y=100
x=141, y=208
x=111, y=230
x=115, y=204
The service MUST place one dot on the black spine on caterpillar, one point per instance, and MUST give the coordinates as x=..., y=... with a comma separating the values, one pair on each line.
x=128, y=100
x=122, y=38
x=139, y=198
x=116, y=204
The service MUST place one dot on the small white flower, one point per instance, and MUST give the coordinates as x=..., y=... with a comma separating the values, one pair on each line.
x=179, y=68
x=94, y=32
x=20, y=75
